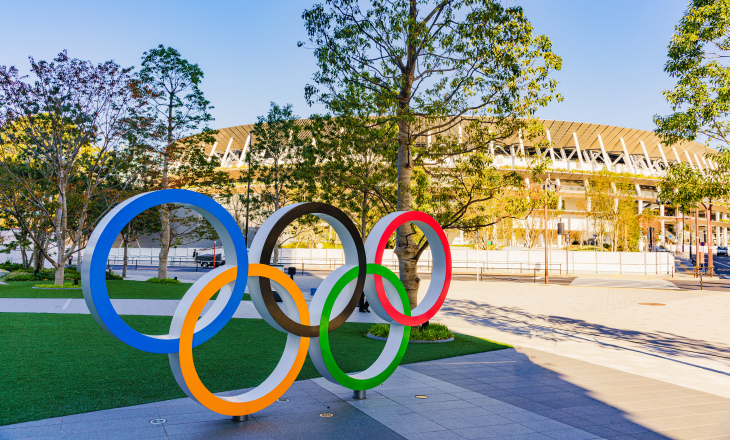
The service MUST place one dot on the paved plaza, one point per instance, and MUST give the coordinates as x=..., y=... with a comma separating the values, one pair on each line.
x=518, y=394
x=597, y=357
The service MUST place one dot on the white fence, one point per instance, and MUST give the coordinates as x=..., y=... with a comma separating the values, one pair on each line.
x=464, y=260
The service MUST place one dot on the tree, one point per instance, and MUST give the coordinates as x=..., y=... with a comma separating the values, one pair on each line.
x=688, y=187
x=698, y=54
x=461, y=71
x=611, y=198
x=278, y=138
x=170, y=131
x=68, y=125
x=340, y=170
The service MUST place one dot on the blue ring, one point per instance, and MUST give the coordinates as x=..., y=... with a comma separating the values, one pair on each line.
x=100, y=244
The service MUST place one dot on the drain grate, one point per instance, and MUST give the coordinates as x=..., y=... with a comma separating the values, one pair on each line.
x=326, y=415
x=157, y=421
x=419, y=396
x=283, y=399
x=652, y=304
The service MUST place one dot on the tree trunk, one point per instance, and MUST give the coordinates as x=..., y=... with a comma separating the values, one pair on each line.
x=37, y=259
x=61, y=236
x=165, y=242
x=276, y=207
x=126, y=252
x=709, y=238
x=363, y=217
x=405, y=248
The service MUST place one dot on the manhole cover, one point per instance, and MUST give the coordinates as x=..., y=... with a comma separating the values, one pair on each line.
x=418, y=396
x=652, y=304
x=157, y=421
x=326, y=415
x=283, y=399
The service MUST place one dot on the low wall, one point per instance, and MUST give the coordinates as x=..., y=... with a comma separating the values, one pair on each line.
x=463, y=260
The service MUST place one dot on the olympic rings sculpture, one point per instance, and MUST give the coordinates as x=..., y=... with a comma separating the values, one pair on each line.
x=361, y=274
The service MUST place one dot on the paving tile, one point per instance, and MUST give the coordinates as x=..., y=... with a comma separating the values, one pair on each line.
x=413, y=400
x=119, y=434
x=411, y=428
x=35, y=423
x=645, y=436
x=471, y=422
x=544, y=425
x=493, y=431
x=570, y=434
x=434, y=435
x=30, y=432
x=524, y=416
x=108, y=425
x=627, y=428
x=439, y=406
x=528, y=436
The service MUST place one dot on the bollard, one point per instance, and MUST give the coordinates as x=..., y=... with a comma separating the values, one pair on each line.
x=359, y=394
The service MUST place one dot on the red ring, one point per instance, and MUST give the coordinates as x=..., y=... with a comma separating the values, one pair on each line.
x=400, y=318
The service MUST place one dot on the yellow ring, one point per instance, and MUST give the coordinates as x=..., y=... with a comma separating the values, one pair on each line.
x=187, y=366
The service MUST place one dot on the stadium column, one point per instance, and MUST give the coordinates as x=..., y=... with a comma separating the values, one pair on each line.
x=579, y=154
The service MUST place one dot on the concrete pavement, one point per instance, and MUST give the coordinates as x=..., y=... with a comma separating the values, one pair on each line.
x=507, y=395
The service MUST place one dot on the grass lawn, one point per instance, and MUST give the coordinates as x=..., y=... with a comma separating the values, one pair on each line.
x=117, y=289
x=54, y=364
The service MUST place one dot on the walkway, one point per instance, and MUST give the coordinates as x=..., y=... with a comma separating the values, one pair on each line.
x=507, y=395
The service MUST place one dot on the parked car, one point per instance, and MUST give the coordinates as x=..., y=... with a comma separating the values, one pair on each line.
x=207, y=260
x=722, y=250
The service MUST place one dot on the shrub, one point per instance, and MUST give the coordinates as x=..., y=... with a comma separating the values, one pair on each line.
x=11, y=267
x=163, y=281
x=42, y=275
x=432, y=332
x=113, y=276
x=56, y=286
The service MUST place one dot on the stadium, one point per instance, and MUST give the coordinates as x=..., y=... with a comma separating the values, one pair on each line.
x=578, y=150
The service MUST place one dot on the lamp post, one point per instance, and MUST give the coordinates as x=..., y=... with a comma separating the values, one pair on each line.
x=248, y=188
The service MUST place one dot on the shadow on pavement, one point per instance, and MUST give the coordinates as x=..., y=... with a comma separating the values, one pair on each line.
x=518, y=322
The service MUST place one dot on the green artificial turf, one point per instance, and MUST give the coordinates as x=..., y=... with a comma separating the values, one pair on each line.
x=117, y=290
x=55, y=364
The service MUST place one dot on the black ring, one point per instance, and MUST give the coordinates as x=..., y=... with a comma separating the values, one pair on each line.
x=291, y=326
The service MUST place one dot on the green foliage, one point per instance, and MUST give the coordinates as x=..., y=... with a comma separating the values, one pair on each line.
x=56, y=286
x=612, y=209
x=113, y=276
x=163, y=281
x=63, y=158
x=116, y=289
x=168, y=134
x=438, y=82
x=432, y=332
x=43, y=275
x=698, y=54
x=686, y=187
x=11, y=267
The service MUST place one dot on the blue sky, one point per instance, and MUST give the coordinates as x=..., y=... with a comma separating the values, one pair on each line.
x=613, y=51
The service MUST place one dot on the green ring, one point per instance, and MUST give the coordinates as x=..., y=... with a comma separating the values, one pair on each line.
x=340, y=376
